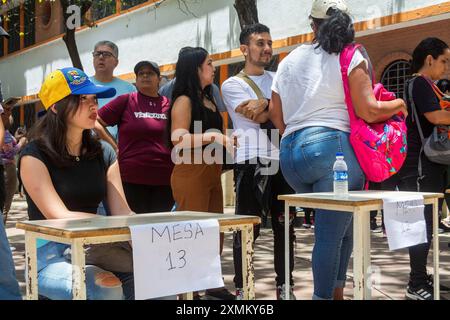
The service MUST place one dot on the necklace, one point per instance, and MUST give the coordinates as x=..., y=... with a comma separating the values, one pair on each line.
x=76, y=158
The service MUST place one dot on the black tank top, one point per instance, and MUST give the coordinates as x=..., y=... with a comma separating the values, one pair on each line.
x=209, y=120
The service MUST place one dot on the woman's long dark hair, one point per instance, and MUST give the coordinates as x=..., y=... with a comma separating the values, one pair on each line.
x=187, y=83
x=50, y=134
x=334, y=33
x=429, y=46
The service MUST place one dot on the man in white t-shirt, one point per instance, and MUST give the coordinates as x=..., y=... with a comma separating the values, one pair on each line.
x=257, y=177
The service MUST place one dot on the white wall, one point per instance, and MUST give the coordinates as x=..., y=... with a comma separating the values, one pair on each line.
x=158, y=35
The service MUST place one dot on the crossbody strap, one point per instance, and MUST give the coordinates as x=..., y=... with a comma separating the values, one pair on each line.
x=414, y=109
x=251, y=83
x=416, y=119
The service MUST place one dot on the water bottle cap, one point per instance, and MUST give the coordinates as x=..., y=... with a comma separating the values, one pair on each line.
x=339, y=154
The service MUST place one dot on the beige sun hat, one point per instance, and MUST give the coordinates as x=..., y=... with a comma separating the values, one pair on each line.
x=320, y=8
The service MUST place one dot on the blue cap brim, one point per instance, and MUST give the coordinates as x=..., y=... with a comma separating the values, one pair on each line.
x=100, y=91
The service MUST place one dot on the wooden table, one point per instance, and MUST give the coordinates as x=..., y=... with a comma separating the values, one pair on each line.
x=100, y=229
x=360, y=203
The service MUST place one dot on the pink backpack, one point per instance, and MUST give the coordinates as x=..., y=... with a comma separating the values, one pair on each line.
x=379, y=147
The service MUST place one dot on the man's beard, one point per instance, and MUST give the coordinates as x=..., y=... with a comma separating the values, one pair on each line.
x=263, y=64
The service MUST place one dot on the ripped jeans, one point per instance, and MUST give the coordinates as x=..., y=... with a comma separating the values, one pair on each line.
x=55, y=277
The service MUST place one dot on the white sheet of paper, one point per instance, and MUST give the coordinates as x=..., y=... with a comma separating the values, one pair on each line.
x=405, y=221
x=176, y=257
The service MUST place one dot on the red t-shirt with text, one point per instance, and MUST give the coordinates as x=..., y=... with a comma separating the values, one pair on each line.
x=144, y=157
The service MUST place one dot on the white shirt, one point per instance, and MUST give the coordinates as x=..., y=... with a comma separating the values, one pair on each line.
x=309, y=83
x=253, y=142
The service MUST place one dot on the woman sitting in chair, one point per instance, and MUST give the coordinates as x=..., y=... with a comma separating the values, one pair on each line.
x=66, y=172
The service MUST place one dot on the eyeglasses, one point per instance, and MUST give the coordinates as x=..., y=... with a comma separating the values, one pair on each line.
x=105, y=54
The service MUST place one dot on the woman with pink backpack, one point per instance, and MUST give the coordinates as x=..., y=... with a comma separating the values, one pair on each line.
x=309, y=108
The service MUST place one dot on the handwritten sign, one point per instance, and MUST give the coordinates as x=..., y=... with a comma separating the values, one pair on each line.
x=177, y=257
x=405, y=221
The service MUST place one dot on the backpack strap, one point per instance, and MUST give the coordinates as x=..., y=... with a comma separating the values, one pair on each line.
x=242, y=75
x=345, y=58
x=410, y=98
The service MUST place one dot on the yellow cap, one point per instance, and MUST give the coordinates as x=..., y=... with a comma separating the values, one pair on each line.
x=64, y=82
x=54, y=89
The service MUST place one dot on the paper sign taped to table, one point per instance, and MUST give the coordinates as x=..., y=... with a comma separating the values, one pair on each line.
x=176, y=257
x=404, y=220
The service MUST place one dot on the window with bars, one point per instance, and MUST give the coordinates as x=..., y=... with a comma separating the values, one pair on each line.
x=103, y=8
x=13, y=17
x=127, y=4
x=30, y=23
x=395, y=75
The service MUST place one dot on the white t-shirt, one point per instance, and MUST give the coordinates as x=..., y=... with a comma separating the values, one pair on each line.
x=253, y=142
x=309, y=83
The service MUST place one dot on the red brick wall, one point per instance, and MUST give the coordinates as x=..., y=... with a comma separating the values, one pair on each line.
x=55, y=25
x=389, y=46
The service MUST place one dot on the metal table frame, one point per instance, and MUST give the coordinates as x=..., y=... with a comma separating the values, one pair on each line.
x=360, y=203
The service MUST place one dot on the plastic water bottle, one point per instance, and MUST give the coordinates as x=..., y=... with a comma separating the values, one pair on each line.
x=340, y=172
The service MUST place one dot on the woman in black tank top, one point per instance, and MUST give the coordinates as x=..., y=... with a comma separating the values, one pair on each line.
x=195, y=125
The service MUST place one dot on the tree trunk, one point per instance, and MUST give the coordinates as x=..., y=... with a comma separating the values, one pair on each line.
x=71, y=44
x=247, y=12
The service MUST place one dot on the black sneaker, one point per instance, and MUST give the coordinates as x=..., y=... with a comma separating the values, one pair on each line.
x=424, y=292
x=374, y=228
x=281, y=293
x=218, y=294
x=443, y=227
x=373, y=224
x=442, y=288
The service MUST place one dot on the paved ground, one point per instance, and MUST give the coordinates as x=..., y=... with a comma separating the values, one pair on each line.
x=393, y=266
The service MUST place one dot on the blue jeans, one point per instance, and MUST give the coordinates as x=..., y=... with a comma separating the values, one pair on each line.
x=55, y=276
x=307, y=157
x=9, y=288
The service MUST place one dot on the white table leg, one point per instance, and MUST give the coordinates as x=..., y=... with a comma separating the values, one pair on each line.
x=248, y=272
x=287, y=279
x=31, y=265
x=367, y=256
x=78, y=270
x=436, y=249
x=361, y=255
